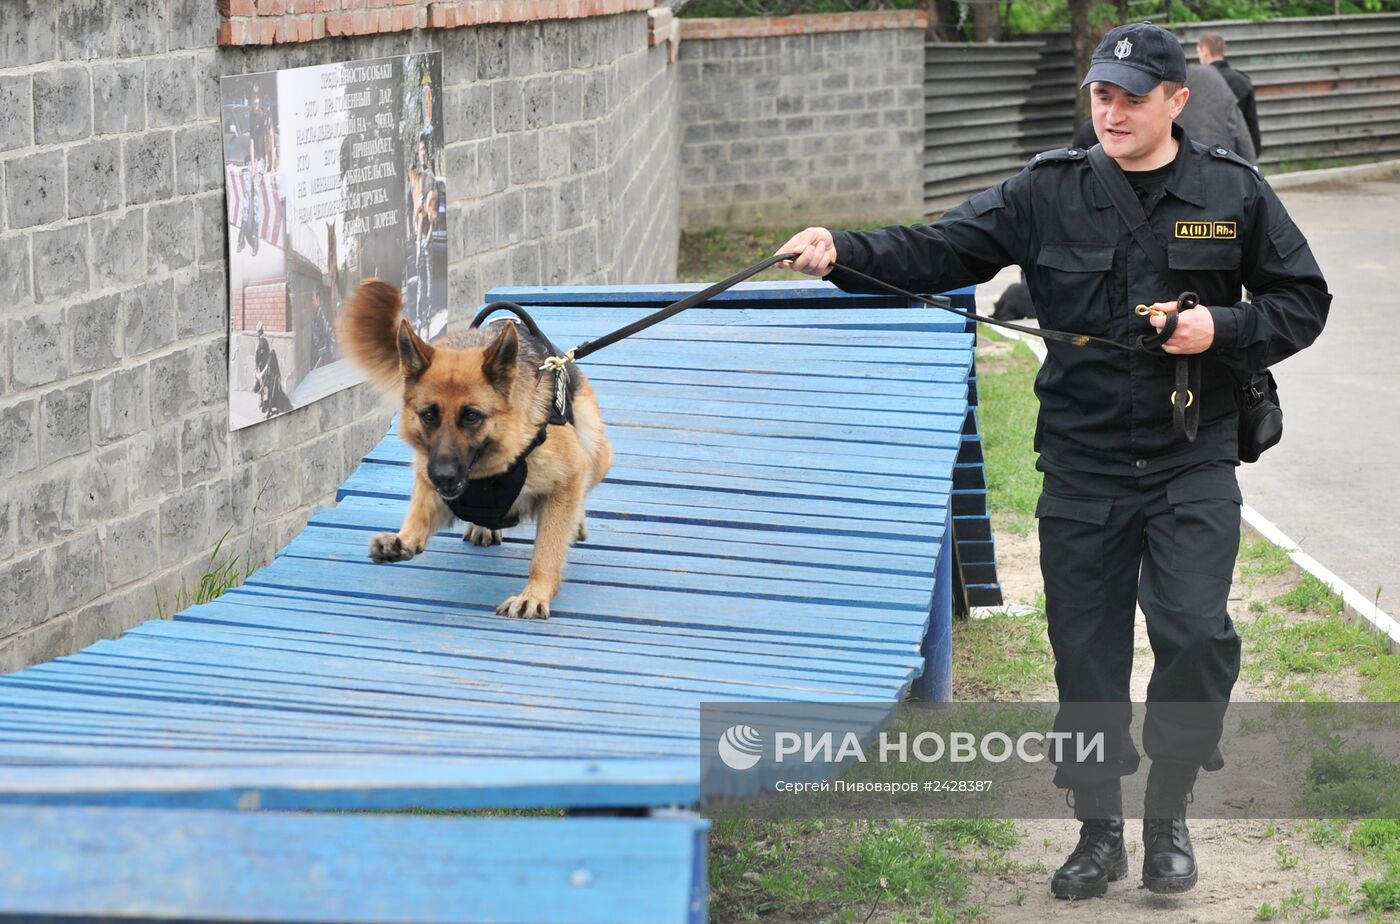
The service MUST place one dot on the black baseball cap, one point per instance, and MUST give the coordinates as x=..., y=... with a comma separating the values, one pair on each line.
x=1137, y=57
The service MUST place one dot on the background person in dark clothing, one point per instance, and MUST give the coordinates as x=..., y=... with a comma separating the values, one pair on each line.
x=1084, y=137
x=1210, y=49
x=1130, y=512
x=261, y=129
x=272, y=398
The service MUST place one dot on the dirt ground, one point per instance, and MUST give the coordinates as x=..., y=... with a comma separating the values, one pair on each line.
x=1241, y=863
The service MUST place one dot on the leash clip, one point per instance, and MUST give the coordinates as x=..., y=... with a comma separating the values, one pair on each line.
x=557, y=363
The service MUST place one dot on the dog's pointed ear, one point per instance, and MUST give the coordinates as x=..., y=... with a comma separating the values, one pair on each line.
x=415, y=355
x=498, y=363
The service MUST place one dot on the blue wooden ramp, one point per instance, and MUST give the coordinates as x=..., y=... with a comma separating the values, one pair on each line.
x=775, y=528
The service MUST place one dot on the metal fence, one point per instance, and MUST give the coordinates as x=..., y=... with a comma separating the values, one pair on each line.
x=1328, y=90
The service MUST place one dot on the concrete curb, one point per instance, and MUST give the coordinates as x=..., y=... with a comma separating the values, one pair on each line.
x=1357, y=606
x=1302, y=178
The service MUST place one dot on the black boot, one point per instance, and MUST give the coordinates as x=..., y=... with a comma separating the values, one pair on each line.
x=1100, y=857
x=1168, y=860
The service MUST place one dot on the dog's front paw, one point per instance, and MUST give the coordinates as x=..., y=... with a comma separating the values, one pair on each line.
x=525, y=605
x=480, y=535
x=581, y=535
x=389, y=547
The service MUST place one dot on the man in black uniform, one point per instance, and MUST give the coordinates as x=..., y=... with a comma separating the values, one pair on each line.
x=1130, y=510
x=1210, y=49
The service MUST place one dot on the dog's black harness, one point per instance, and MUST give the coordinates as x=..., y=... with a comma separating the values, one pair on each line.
x=487, y=502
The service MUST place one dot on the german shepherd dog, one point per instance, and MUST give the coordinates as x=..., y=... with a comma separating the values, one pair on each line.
x=473, y=406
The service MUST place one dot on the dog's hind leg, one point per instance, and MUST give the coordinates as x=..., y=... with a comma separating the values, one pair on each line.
x=480, y=535
x=426, y=514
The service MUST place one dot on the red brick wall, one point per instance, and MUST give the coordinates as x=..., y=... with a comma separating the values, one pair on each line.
x=802, y=25
x=266, y=303
x=276, y=22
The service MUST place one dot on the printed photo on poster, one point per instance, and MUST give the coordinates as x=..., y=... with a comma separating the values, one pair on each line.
x=334, y=175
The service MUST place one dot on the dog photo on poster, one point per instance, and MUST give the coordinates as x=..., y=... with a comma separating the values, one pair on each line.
x=334, y=175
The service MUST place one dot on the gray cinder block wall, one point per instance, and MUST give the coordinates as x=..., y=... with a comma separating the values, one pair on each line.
x=822, y=126
x=118, y=474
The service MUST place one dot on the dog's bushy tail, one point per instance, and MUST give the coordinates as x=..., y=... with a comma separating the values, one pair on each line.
x=369, y=331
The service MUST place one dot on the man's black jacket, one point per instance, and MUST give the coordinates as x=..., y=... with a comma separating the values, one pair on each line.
x=1243, y=88
x=1108, y=411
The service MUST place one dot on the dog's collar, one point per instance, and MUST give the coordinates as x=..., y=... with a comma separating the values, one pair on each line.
x=486, y=502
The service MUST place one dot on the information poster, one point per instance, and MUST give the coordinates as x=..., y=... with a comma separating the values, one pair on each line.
x=334, y=175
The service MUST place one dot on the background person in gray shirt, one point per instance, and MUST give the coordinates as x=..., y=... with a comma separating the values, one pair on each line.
x=1212, y=116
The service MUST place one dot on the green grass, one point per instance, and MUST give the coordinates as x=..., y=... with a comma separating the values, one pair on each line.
x=1345, y=780
x=1297, y=657
x=844, y=870
x=1006, y=413
x=224, y=572
x=1304, y=905
x=710, y=255
x=1311, y=596
x=1258, y=557
x=1379, y=840
x=1003, y=657
x=1325, y=832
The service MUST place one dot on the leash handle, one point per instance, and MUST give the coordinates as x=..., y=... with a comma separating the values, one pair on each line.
x=1153, y=342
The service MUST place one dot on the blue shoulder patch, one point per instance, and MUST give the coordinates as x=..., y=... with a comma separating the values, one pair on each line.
x=1058, y=156
x=1224, y=154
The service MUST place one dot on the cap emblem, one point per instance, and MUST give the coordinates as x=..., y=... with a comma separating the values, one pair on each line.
x=1122, y=49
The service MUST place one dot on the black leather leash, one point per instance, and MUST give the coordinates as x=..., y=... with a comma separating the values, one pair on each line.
x=558, y=362
x=675, y=308
x=1055, y=336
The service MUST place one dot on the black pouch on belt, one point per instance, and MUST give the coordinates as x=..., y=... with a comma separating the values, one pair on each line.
x=1261, y=417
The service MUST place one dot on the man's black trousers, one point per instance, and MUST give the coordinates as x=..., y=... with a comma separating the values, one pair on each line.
x=1166, y=541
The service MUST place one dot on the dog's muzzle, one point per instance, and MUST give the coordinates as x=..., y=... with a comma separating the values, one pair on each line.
x=449, y=477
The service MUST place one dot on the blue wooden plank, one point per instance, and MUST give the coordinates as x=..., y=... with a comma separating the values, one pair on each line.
x=855, y=316
x=125, y=864
x=624, y=385
x=577, y=326
x=641, y=554
x=764, y=383
x=338, y=628
x=940, y=414
x=210, y=779
x=798, y=458
x=579, y=600
x=588, y=568
x=954, y=351
x=897, y=555
x=468, y=652
x=730, y=507
x=770, y=293
x=825, y=365
x=417, y=613
x=750, y=516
